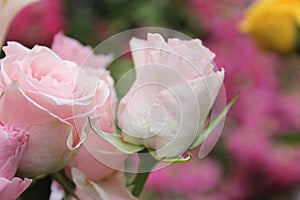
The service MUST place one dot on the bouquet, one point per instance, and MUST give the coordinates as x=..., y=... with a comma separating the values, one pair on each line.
x=62, y=121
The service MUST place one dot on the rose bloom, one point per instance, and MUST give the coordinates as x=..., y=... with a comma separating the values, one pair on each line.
x=88, y=158
x=51, y=99
x=95, y=166
x=273, y=24
x=174, y=90
x=12, y=145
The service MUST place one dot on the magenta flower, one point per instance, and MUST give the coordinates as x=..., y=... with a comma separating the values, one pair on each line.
x=38, y=23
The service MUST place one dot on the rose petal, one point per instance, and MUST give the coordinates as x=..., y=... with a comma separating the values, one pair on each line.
x=11, y=190
x=70, y=49
x=107, y=189
x=47, y=149
x=21, y=111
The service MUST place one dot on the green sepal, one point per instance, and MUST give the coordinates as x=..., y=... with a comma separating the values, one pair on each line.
x=201, y=137
x=117, y=141
x=179, y=159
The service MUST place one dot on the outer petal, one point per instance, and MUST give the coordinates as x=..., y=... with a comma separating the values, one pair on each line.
x=206, y=89
x=181, y=127
x=169, y=121
x=97, y=159
x=89, y=165
x=70, y=49
x=8, y=9
x=134, y=113
x=20, y=110
x=47, y=149
x=134, y=110
x=16, y=49
x=193, y=51
x=107, y=189
x=188, y=58
x=138, y=48
x=12, y=146
x=174, y=122
x=11, y=190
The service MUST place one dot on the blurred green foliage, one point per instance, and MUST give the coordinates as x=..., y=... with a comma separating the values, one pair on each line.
x=104, y=18
x=291, y=139
x=121, y=71
x=92, y=21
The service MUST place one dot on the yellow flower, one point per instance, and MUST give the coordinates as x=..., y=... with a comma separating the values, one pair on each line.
x=273, y=24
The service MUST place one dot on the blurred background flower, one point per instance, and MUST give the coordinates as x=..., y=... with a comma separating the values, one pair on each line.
x=258, y=155
x=37, y=23
x=274, y=24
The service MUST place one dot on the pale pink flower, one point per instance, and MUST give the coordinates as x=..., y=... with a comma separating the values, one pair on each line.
x=70, y=49
x=12, y=146
x=57, y=191
x=51, y=99
x=112, y=187
x=94, y=168
x=175, y=88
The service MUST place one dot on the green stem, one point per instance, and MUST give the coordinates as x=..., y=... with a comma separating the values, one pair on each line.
x=66, y=183
x=146, y=164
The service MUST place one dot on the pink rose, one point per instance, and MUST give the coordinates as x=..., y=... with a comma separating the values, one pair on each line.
x=95, y=165
x=89, y=157
x=12, y=146
x=51, y=99
x=175, y=88
x=70, y=49
x=97, y=158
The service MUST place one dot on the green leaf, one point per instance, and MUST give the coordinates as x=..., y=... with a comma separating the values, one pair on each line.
x=292, y=138
x=212, y=125
x=117, y=141
x=179, y=159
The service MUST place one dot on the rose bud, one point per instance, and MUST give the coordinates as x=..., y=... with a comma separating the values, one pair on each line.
x=165, y=109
